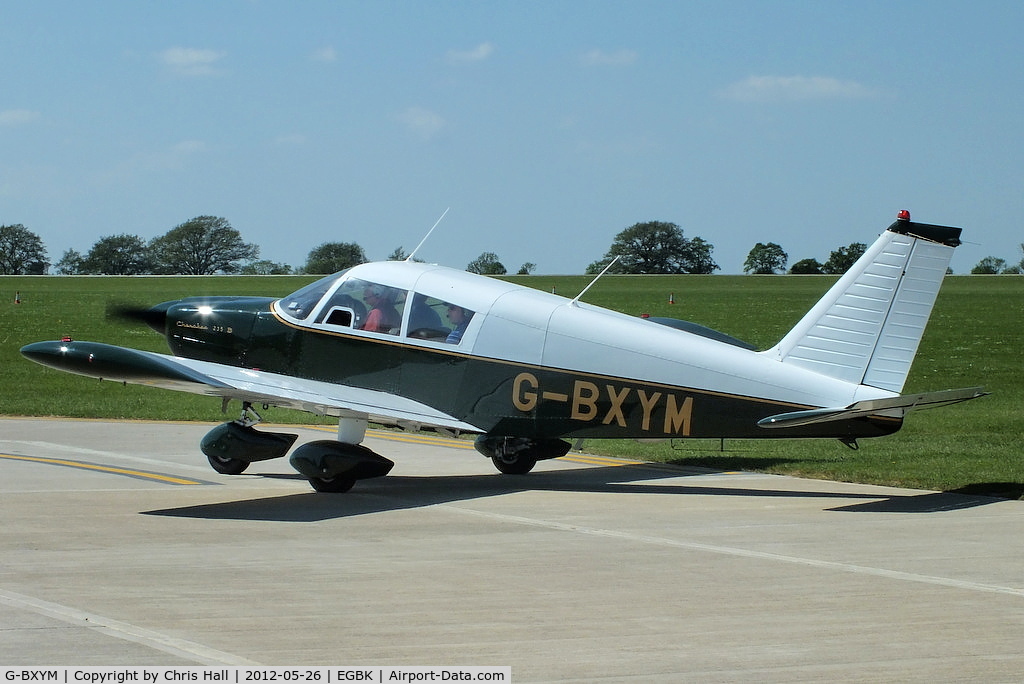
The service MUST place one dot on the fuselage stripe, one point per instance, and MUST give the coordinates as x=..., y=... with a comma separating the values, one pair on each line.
x=538, y=367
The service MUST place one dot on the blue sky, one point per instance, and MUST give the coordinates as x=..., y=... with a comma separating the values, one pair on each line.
x=546, y=127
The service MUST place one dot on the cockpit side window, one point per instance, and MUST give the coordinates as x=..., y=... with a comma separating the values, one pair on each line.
x=437, y=320
x=384, y=306
x=362, y=305
x=343, y=310
x=425, y=319
x=459, y=317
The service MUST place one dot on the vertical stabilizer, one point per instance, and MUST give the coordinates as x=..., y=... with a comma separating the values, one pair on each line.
x=866, y=329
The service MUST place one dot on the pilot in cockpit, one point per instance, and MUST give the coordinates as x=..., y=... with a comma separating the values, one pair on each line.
x=460, y=318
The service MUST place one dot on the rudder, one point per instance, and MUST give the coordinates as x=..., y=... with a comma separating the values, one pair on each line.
x=867, y=327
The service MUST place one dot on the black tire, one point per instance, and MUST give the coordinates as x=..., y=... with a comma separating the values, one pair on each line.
x=332, y=485
x=227, y=466
x=514, y=465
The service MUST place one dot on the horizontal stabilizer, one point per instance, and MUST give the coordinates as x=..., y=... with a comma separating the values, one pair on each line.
x=902, y=404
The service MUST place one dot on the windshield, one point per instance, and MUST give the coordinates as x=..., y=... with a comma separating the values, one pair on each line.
x=300, y=304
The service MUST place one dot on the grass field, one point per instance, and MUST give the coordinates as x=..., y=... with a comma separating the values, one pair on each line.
x=974, y=338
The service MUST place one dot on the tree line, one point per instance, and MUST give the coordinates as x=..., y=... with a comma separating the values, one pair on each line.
x=206, y=245
x=991, y=265
x=770, y=258
x=661, y=247
x=203, y=245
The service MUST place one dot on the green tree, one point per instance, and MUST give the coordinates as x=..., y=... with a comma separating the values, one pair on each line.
x=595, y=267
x=117, y=255
x=765, y=259
x=487, y=264
x=806, y=267
x=400, y=255
x=203, y=245
x=699, y=257
x=71, y=263
x=21, y=251
x=990, y=265
x=842, y=259
x=657, y=247
x=527, y=268
x=331, y=257
x=266, y=267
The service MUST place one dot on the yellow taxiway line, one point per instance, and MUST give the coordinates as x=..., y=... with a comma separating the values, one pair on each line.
x=389, y=435
x=104, y=469
x=598, y=460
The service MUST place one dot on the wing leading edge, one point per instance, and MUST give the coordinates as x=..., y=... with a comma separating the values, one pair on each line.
x=120, y=364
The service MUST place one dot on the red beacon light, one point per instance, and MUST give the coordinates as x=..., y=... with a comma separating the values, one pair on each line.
x=904, y=215
x=66, y=338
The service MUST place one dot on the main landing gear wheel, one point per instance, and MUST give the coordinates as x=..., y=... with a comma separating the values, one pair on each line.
x=332, y=485
x=513, y=464
x=518, y=455
x=227, y=466
x=334, y=467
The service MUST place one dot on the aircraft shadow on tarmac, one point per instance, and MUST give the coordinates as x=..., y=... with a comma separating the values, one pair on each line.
x=396, y=492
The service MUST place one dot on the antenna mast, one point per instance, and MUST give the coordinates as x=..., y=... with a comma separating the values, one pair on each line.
x=409, y=258
x=576, y=299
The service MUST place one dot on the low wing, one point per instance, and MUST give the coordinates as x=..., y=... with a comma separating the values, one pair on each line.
x=108, y=362
x=892, y=406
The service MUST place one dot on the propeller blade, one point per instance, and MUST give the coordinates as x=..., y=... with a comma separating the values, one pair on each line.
x=155, y=316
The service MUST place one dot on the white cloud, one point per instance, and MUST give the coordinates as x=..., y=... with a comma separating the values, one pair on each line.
x=477, y=54
x=602, y=58
x=191, y=61
x=791, y=88
x=422, y=122
x=324, y=54
x=17, y=117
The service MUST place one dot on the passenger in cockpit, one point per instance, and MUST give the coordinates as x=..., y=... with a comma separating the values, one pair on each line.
x=424, y=321
x=383, y=316
x=460, y=318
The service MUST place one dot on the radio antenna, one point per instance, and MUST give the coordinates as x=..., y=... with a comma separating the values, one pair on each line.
x=409, y=258
x=575, y=301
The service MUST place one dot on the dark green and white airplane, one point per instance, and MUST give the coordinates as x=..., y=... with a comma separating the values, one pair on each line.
x=417, y=345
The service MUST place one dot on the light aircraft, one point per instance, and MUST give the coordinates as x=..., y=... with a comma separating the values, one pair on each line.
x=418, y=345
